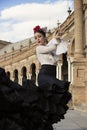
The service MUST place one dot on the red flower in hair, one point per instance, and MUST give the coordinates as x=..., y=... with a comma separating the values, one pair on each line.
x=36, y=28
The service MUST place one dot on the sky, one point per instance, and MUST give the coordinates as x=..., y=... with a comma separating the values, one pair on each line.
x=19, y=17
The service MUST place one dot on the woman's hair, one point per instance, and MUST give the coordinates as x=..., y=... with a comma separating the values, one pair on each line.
x=40, y=30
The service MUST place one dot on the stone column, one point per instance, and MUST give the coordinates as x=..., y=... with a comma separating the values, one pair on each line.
x=20, y=80
x=37, y=77
x=86, y=84
x=11, y=75
x=85, y=28
x=86, y=25
x=27, y=75
x=57, y=72
x=60, y=71
x=78, y=10
x=69, y=70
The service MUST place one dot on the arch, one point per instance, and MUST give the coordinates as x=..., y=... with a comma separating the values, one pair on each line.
x=8, y=74
x=33, y=72
x=24, y=74
x=65, y=68
x=15, y=74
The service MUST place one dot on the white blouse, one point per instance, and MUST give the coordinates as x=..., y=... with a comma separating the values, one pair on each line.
x=48, y=54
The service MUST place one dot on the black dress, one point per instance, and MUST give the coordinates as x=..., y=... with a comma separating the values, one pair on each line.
x=30, y=107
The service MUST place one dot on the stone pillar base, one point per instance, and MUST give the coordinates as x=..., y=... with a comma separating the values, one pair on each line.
x=79, y=98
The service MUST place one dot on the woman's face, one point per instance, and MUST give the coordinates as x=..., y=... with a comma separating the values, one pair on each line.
x=39, y=38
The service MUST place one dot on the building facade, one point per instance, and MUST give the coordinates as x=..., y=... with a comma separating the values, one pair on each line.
x=20, y=61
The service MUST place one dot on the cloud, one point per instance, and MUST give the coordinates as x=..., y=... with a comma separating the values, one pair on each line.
x=17, y=22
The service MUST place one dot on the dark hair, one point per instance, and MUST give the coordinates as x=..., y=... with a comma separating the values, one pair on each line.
x=39, y=30
x=42, y=32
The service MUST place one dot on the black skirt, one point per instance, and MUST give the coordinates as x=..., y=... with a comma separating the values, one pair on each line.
x=30, y=107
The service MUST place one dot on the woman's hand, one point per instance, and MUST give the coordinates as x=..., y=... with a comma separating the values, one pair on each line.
x=58, y=34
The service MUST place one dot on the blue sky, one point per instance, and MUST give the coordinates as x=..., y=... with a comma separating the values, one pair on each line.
x=9, y=3
x=18, y=17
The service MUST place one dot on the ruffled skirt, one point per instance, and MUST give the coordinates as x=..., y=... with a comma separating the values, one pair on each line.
x=30, y=107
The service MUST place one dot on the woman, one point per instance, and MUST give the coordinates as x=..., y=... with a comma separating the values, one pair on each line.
x=30, y=107
x=55, y=91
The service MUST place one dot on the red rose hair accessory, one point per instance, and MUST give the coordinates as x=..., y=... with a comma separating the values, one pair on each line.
x=36, y=28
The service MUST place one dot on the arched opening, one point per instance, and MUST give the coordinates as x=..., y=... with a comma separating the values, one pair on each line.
x=16, y=75
x=33, y=72
x=24, y=74
x=8, y=74
x=65, y=68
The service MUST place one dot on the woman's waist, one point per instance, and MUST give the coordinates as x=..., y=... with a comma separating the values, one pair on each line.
x=48, y=69
x=47, y=65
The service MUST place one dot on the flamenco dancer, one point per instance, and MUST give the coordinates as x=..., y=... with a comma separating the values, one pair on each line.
x=30, y=107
